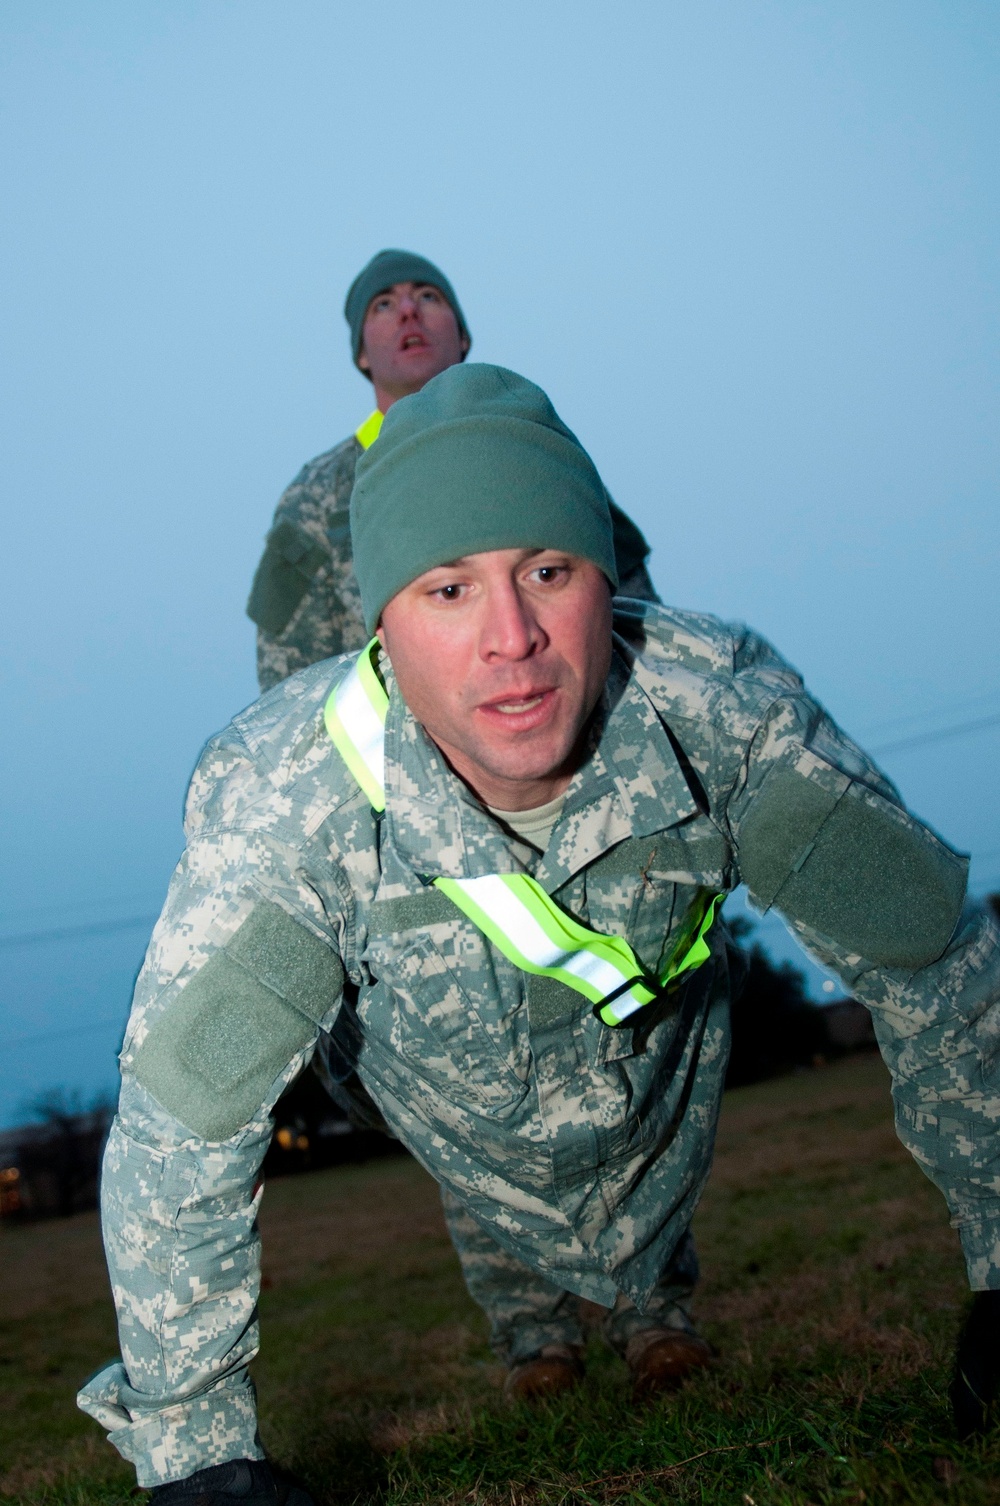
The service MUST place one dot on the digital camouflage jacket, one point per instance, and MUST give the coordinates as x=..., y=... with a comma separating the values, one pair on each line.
x=582, y=1148
x=305, y=599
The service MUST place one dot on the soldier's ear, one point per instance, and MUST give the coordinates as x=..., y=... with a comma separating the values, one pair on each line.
x=363, y=362
x=380, y=634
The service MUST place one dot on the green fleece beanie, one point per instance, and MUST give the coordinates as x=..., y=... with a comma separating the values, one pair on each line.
x=478, y=460
x=384, y=269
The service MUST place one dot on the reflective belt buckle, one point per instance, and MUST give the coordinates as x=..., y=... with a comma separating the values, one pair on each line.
x=616, y=993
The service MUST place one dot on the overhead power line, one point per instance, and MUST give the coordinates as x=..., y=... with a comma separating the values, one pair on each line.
x=959, y=730
x=39, y=913
x=69, y=933
x=133, y=922
x=51, y=1035
x=912, y=723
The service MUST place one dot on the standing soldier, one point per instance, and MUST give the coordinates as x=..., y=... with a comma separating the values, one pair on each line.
x=497, y=839
x=406, y=326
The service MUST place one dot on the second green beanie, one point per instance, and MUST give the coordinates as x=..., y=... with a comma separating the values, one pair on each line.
x=379, y=274
x=477, y=460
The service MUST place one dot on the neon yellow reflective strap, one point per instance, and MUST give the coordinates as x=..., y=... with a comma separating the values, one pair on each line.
x=532, y=931
x=367, y=433
x=691, y=949
x=354, y=715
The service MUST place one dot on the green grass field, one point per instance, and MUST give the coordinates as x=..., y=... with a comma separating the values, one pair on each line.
x=831, y=1284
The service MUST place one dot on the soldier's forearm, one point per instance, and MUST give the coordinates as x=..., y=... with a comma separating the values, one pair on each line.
x=183, y=1254
x=939, y=1031
x=878, y=898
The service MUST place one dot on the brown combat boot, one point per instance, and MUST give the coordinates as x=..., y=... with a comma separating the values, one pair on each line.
x=661, y=1359
x=557, y=1368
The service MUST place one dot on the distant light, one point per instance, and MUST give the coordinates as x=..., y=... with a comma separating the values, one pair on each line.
x=829, y=986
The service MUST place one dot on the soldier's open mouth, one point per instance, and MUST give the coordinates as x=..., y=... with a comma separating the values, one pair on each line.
x=521, y=713
x=512, y=708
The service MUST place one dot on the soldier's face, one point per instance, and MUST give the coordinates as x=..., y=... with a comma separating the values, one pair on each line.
x=502, y=657
x=410, y=334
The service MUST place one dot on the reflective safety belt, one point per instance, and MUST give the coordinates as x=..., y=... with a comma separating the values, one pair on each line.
x=355, y=719
x=512, y=909
x=367, y=433
x=531, y=930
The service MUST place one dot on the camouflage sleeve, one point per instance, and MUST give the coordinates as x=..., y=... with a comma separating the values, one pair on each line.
x=242, y=971
x=304, y=599
x=823, y=836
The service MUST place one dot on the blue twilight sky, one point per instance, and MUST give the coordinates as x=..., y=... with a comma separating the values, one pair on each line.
x=748, y=246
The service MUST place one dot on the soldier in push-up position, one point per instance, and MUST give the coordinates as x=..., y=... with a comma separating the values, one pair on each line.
x=494, y=843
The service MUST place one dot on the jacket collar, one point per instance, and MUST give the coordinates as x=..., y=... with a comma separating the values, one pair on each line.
x=630, y=785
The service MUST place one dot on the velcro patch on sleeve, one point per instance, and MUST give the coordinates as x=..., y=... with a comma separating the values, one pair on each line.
x=787, y=812
x=291, y=558
x=852, y=866
x=213, y=1055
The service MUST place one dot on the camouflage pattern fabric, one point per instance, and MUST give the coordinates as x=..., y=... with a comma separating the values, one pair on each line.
x=306, y=603
x=582, y=1150
x=527, y=1313
x=313, y=612
x=305, y=599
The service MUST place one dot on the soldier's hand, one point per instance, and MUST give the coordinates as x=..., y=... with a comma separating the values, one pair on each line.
x=976, y=1381
x=241, y=1482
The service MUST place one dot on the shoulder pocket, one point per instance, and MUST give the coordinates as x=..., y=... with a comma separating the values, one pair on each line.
x=213, y=1055
x=862, y=872
x=291, y=558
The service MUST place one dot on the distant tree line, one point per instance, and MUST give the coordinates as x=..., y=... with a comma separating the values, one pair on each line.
x=776, y=1027
x=50, y=1168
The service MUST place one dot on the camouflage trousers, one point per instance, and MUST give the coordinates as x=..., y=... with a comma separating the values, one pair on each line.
x=526, y=1312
